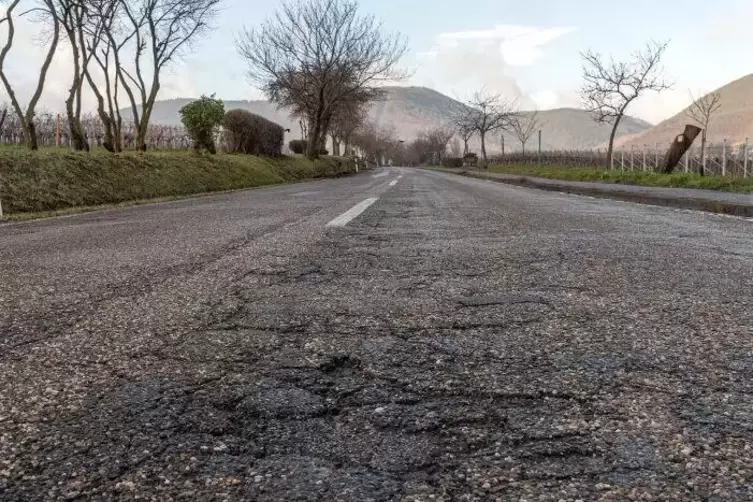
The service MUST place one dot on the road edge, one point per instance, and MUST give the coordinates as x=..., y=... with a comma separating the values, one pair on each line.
x=551, y=185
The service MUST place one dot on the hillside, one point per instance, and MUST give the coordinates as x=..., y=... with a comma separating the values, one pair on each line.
x=733, y=121
x=411, y=110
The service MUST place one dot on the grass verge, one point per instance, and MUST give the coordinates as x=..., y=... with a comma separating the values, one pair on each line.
x=678, y=180
x=53, y=183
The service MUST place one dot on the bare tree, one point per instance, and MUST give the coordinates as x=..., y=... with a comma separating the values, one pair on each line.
x=160, y=29
x=610, y=87
x=455, y=148
x=75, y=18
x=26, y=117
x=436, y=140
x=524, y=126
x=313, y=55
x=347, y=118
x=490, y=113
x=702, y=110
x=465, y=125
x=98, y=34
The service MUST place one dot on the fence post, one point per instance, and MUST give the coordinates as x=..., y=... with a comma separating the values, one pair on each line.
x=656, y=156
x=632, y=158
x=745, y=158
x=622, y=160
x=644, y=156
x=687, y=161
x=724, y=157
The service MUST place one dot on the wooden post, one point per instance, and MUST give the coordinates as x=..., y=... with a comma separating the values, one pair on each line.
x=745, y=158
x=644, y=156
x=632, y=158
x=687, y=161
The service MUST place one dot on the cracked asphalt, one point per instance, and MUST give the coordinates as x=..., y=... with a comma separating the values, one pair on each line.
x=459, y=340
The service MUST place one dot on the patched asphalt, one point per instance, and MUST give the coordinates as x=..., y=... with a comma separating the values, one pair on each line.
x=459, y=340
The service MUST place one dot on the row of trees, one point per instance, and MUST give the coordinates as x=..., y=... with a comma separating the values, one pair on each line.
x=118, y=50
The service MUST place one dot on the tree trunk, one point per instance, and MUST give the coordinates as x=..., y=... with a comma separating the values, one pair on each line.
x=679, y=146
x=701, y=169
x=312, y=143
x=465, y=147
x=483, y=146
x=610, y=148
x=30, y=133
x=78, y=141
x=335, y=146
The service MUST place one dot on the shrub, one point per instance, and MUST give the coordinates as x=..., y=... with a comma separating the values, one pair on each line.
x=298, y=146
x=452, y=162
x=252, y=134
x=202, y=119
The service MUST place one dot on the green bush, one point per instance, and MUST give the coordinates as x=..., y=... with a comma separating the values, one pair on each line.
x=202, y=119
x=298, y=146
x=252, y=134
x=452, y=162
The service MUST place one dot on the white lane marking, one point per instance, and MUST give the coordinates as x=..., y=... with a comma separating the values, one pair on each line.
x=400, y=176
x=352, y=213
x=393, y=183
x=379, y=175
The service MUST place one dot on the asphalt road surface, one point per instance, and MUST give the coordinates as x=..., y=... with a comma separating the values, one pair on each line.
x=457, y=340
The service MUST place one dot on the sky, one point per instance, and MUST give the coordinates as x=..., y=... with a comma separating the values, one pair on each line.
x=528, y=50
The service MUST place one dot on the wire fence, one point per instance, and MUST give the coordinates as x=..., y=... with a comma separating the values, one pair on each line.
x=52, y=131
x=725, y=158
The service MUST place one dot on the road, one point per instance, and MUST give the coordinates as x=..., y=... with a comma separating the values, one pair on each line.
x=457, y=340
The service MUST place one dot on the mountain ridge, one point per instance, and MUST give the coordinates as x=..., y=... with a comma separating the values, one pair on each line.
x=413, y=109
x=733, y=121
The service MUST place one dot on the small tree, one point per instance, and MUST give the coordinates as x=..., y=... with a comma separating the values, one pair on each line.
x=465, y=125
x=490, y=113
x=525, y=126
x=202, y=119
x=702, y=111
x=455, y=148
x=610, y=87
x=436, y=140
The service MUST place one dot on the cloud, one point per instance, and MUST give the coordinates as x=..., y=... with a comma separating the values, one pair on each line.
x=518, y=45
x=465, y=61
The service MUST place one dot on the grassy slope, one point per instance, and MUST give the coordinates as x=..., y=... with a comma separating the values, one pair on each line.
x=726, y=183
x=53, y=180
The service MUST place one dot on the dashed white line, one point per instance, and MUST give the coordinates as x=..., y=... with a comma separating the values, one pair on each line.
x=393, y=183
x=379, y=175
x=400, y=176
x=352, y=213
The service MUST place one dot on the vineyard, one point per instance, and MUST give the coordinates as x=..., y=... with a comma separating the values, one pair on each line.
x=720, y=159
x=53, y=130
